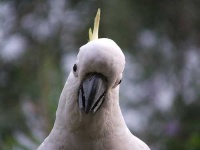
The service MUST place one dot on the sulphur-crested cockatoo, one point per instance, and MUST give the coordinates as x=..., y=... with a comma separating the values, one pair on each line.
x=88, y=115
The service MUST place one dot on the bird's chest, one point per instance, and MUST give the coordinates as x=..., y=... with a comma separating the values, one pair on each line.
x=95, y=144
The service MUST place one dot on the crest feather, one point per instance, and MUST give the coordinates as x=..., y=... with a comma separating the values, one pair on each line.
x=93, y=35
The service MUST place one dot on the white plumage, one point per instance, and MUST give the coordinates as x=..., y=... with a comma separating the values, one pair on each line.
x=88, y=116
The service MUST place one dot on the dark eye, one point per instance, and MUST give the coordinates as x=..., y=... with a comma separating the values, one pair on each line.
x=75, y=68
x=120, y=81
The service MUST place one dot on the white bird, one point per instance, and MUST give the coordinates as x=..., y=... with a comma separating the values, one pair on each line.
x=88, y=115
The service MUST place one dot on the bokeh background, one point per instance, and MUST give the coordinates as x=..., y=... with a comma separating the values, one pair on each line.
x=160, y=92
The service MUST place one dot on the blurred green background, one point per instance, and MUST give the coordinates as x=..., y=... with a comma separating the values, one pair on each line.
x=160, y=92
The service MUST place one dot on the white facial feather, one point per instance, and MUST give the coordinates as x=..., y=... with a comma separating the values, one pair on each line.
x=102, y=56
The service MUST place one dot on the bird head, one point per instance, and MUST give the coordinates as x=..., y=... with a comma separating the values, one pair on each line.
x=98, y=68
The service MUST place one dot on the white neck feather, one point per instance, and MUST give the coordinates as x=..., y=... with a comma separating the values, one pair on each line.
x=72, y=124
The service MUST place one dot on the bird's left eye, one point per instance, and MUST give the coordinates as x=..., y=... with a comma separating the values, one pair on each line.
x=75, y=68
x=120, y=81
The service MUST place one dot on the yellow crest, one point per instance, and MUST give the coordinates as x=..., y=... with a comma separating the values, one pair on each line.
x=93, y=35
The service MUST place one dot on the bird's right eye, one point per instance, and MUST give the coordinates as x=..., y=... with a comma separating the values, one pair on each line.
x=75, y=68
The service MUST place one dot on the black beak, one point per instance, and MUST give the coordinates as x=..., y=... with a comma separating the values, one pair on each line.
x=92, y=92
